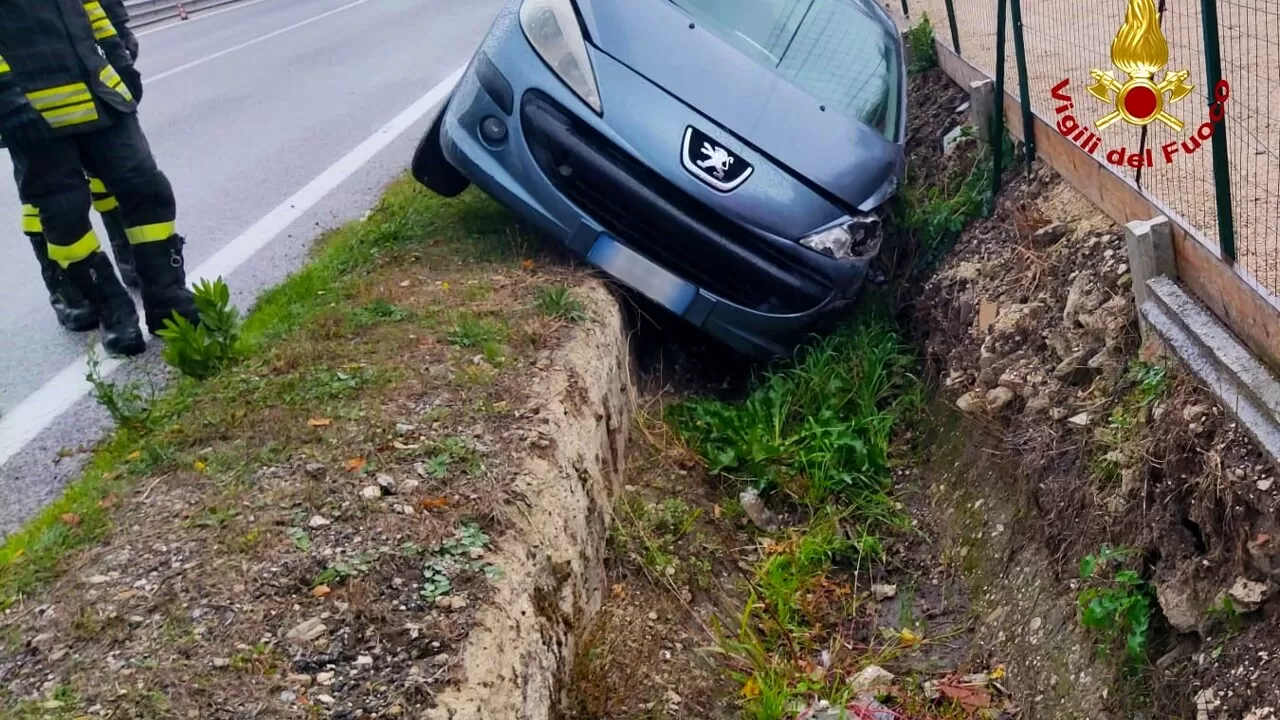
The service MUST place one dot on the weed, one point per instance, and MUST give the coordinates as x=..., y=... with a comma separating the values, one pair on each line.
x=924, y=53
x=1225, y=612
x=818, y=431
x=128, y=404
x=1118, y=437
x=379, y=311
x=342, y=571
x=473, y=332
x=930, y=215
x=455, y=557
x=785, y=622
x=558, y=302
x=301, y=540
x=1116, y=603
x=652, y=533
x=200, y=351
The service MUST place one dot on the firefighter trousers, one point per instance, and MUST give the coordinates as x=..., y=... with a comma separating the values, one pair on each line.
x=51, y=177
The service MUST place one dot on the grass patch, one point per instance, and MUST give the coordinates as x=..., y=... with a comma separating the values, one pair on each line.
x=801, y=607
x=282, y=368
x=928, y=216
x=818, y=431
x=558, y=303
x=660, y=537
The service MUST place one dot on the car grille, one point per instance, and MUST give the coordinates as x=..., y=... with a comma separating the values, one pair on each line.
x=654, y=217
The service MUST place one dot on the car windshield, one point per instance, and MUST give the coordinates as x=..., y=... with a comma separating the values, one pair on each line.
x=831, y=48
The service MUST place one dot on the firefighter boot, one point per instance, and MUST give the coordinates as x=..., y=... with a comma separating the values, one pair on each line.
x=120, y=247
x=73, y=310
x=96, y=279
x=164, y=282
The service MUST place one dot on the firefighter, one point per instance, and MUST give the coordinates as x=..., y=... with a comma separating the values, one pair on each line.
x=71, y=308
x=68, y=94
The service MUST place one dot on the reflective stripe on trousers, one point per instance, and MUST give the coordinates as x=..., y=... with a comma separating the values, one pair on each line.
x=64, y=255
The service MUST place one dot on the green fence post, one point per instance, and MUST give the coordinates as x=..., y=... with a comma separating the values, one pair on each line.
x=1221, y=168
x=1028, y=126
x=951, y=20
x=997, y=127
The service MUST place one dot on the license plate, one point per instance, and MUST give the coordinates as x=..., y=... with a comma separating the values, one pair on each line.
x=642, y=274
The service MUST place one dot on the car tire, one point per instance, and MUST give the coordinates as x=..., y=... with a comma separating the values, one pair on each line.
x=431, y=168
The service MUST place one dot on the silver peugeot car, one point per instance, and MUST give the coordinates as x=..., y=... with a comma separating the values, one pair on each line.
x=728, y=159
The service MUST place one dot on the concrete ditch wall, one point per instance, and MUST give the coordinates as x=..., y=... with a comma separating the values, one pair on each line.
x=553, y=554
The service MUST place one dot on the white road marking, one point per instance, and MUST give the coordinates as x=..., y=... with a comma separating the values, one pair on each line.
x=255, y=41
x=41, y=408
x=199, y=16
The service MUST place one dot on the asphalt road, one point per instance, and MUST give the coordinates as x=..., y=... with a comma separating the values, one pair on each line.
x=275, y=120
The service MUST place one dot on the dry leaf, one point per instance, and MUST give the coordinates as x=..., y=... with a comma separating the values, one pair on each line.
x=108, y=502
x=971, y=699
x=320, y=422
x=406, y=283
x=433, y=503
x=752, y=689
x=527, y=264
x=134, y=455
x=618, y=591
x=716, y=512
x=71, y=519
x=320, y=590
x=355, y=464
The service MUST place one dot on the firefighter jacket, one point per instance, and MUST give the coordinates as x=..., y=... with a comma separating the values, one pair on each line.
x=60, y=56
x=118, y=14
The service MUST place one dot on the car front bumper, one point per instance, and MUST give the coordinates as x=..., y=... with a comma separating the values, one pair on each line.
x=655, y=229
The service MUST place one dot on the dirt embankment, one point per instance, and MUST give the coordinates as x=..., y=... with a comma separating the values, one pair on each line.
x=1071, y=442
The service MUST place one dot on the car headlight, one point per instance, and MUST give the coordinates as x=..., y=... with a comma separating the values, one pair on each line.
x=553, y=31
x=858, y=237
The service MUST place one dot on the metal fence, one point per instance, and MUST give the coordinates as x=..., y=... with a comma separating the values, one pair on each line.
x=1228, y=186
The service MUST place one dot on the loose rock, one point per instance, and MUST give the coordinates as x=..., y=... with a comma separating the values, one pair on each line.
x=317, y=521
x=755, y=509
x=1248, y=595
x=998, y=398
x=306, y=631
x=883, y=591
x=870, y=677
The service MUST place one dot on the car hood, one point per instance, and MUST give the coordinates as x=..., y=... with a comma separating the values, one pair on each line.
x=846, y=158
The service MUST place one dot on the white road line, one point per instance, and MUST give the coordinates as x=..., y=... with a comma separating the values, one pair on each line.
x=200, y=16
x=255, y=41
x=41, y=408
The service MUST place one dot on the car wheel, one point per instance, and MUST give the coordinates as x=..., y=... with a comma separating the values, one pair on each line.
x=432, y=169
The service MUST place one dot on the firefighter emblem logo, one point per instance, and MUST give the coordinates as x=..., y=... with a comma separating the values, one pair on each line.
x=1140, y=51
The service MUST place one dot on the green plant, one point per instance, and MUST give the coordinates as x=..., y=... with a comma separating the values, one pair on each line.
x=470, y=331
x=200, y=351
x=379, y=311
x=456, y=556
x=931, y=214
x=128, y=404
x=1116, y=603
x=924, y=53
x=559, y=303
x=652, y=533
x=818, y=431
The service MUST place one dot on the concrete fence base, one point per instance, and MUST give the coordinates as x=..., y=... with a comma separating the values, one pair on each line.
x=150, y=12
